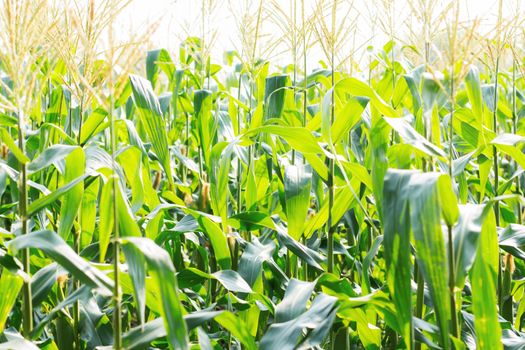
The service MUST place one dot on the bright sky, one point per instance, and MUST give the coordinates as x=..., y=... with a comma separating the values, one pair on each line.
x=178, y=18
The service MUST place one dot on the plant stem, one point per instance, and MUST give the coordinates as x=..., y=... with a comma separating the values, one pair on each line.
x=330, y=218
x=294, y=56
x=494, y=149
x=117, y=297
x=451, y=282
x=331, y=169
x=76, y=305
x=69, y=115
x=76, y=247
x=331, y=164
x=506, y=299
x=251, y=148
x=515, y=130
x=450, y=246
x=450, y=126
x=80, y=121
x=420, y=293
x=22, y=211
x=186, y=142
x=305, y=101
x=392, y=24
x=239, y=164
x=117, y=311
x=239, y=172
x=202, y=47
x=305, y=80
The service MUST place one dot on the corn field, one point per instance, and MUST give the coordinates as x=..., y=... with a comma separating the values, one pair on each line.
x=169, y=199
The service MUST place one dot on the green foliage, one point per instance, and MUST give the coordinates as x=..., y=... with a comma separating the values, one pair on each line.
x=240, y=206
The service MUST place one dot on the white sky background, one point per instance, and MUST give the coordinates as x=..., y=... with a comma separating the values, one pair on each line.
x=180, y=18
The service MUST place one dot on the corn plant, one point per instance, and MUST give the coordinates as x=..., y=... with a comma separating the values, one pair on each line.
x=162, y=199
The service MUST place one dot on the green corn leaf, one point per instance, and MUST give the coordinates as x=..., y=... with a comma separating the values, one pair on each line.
x=414, y=92
x=297, y=185
x=131, y=162
x=466, y=236
x=43, y=202
x=484, y=281
x=344, y=119
x=252, y=259
x=430, y=244
x=54, y=246
x=369, y=334
x=416, y=202
x=294, y=301
x=274, y=95
x=512, y=240
x=89, y=212
x=137, y=273
x=318, y=318
x=151, y=117
x=219, y=177
x=356, y=87
x=43, y=281
x=19, y=343
x=413, y=138
x=347, y=118
x=300, y=139
x=72, y=199
x=92, y=125
x=473, y=85
x=343, y=201
x=229, y=279
x=511, y=144
x=138, y=337
x=303, y=252
x=217, y=239
x=237, y=328
x=10, y=285
x=154, y=59
x=396, y=221
x=82, y=293
x=256, y=220
x=50, y=156
x=6, y=138
x=206, y=125
x=163, y=272
x=216, y=236
x=106, y=219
